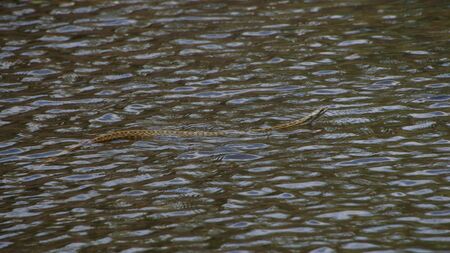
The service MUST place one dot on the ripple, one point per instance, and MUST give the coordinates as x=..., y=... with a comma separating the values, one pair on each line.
x=263, y=232
x=326, y=73
x=313, y=147
x=21, y=212
x=410, y=183
x=346, y=215
x=187, y=52
x=39, y=72
x=216, y=36
x=149, y=56
x=417, y=52
x=429, y=172
x=263, y=33
x=425, y=221
x=359, y=245
x=16, y=110
x=364, y=161
x=249, y=146
x=419, y=126
x=118, y=77
x=65, y=102
x=83, y=196
x=190, y=18
x=72, y=29
x=240, y=157
x=69, y=45
x=428, y=115
x=255, y=193
x=130, y=180
x=382, y=85
x=108, y=118
x=172, y=182
x=337, y=136
x=329, y=91
x=111, y=22
x=12, y=151
x=190, y=42
x=348, y=43
x=82, y=177
x=297, y=186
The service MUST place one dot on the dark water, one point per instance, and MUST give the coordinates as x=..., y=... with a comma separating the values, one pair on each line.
x=376, y=179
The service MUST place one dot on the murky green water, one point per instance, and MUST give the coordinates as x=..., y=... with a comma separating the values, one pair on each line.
x=375, y=179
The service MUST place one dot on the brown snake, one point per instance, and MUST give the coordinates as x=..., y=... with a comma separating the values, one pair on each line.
x=141, y=134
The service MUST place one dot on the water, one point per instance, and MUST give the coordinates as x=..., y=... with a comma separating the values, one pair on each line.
x=376, y=178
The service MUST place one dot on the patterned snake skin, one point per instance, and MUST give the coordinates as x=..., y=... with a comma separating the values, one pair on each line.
x=142, y=134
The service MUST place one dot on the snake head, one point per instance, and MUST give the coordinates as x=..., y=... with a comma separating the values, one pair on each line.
x=321, y=111
x=315, y=114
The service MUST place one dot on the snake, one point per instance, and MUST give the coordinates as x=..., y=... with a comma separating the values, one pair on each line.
x=143, y=133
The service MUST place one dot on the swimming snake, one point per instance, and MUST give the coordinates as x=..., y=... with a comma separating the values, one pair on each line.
x=142, y=134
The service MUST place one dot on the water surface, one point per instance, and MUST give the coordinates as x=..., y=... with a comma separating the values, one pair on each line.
x=374, y=179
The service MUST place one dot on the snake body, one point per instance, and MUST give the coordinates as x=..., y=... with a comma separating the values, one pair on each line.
x=142, y=134
x=308, y=119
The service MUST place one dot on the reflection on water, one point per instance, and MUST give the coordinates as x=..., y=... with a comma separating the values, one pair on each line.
x=376, y=178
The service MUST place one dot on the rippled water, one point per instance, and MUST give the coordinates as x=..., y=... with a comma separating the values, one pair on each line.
x=376, y=178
